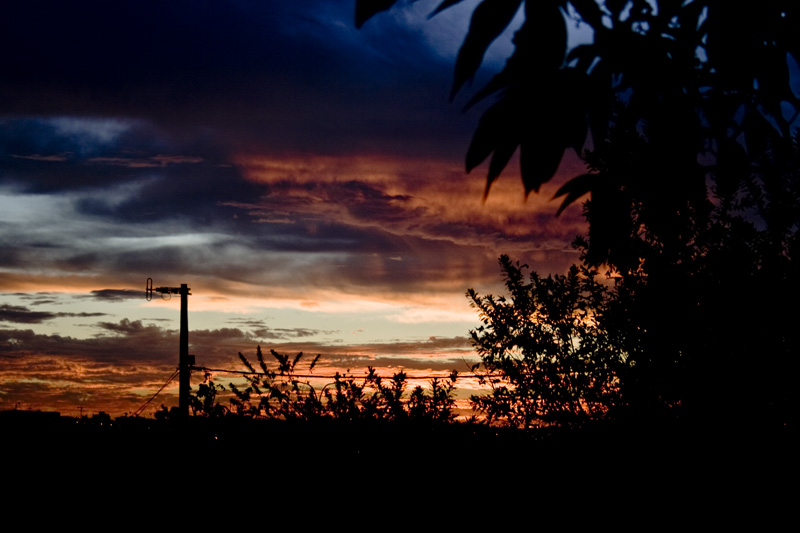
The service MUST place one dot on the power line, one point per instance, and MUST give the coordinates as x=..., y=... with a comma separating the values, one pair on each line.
x=319, y=376
x=142, y=408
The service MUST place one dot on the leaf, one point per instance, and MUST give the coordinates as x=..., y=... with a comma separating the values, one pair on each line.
x=366, y=9
x=246, y=363
x=488, y=21
x=551, y=125
x=283, y=360
x=498, y=133
x=261, y=363
x=574, y=189
x=502, y=155
x=516, y=70
x=444, y=5
x=490, y=128
x=499, y=81
x=794, y=74
x=569, y=108
x=544, y=35
x=589, y=12
x=296, y=359
x=539, y=161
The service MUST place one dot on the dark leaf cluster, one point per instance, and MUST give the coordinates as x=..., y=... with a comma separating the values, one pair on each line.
x=710, y=80
x=545, y=349
x=287, y=394
x=686, y=114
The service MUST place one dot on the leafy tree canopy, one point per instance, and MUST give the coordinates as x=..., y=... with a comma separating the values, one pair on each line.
x=714, y=86
x=547, y=353
x=686, y=113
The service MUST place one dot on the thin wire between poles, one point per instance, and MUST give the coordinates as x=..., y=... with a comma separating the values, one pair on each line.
x=142, y=408
x=320, y=376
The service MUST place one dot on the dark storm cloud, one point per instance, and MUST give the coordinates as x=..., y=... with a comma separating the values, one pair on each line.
x=398, y=232
x=152, y=344
x=247, y=322
x=190, y=192
x=166, y=181
x=23, y=315
x=128, y=328
x=347, y=234
x=39, y=298
x=138, y=112
x=52, y=155
x=258, y=328
x=131, y=342
x=126, y=341
x=116, y=295
x=61, y=139
x=288, y=333
x=274, y=74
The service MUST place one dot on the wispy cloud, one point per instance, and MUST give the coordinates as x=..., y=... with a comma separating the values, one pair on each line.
x=37, y=157
x=23, y=315
x=116, y=295
x=158, y=161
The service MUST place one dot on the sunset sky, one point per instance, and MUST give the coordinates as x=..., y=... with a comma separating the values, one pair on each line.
x=306, y=179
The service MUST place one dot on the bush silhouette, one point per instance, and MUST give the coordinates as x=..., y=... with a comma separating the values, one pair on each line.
x=287, y=394
x=545, y=351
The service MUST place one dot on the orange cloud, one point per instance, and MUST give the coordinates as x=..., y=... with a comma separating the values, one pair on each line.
x=425, y=198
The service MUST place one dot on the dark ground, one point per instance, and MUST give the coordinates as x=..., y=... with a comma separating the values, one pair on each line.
x=668, y=465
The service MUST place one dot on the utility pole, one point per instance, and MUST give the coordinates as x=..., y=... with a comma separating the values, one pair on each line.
x=185, y=361
x=184, y=364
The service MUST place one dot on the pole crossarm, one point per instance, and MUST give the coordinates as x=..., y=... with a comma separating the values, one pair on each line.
x=149, y=290
x=172, y=290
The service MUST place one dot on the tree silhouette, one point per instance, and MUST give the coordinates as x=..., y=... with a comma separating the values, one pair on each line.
x=715, y=85
x=545, y=351
x=204, y=402
x=700, y=279
x=686, y=114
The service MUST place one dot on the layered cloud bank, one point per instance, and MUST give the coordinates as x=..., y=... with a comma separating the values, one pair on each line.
x=304, y=178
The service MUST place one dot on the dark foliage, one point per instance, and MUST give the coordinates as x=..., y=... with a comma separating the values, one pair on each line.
x=703, y=285
x=686, y=114
x=204, y=402
x=546, y=351
x=286, y=394
x=709, y=80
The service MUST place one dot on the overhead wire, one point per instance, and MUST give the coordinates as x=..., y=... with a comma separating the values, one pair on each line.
x=248, y=373
x=320, y=376
x=143, y=407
